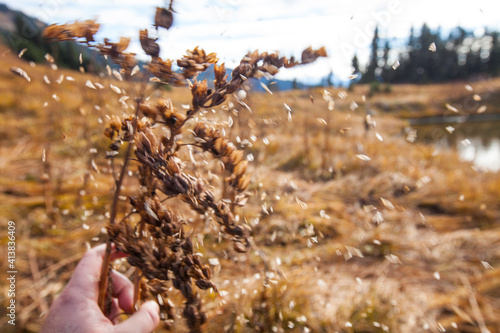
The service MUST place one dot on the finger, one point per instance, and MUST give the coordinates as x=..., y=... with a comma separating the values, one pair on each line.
x=86, y=276
x=144, y=320
x=123, y=290
x=114, y=314
x=87, y=273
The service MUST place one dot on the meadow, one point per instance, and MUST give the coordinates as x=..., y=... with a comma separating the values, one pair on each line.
x=361, y=229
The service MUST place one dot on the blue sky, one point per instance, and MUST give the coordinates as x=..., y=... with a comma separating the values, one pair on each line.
x=233, y=27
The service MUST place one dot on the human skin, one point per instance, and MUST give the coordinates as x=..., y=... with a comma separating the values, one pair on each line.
x=76, y=309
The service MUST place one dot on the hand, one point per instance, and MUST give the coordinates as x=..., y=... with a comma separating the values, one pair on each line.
x=76, y=309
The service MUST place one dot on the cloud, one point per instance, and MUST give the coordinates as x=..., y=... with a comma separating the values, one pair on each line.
x=234, y=27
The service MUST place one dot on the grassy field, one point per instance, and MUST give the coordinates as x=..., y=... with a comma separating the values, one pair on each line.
x=364, y=231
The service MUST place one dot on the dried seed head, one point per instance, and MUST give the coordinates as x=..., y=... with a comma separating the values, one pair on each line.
x=163, y=18
x=86, y=29
x=149, y=45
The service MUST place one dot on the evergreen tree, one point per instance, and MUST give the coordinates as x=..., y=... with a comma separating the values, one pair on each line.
x=386, y=69
x=355, y=64
x=369, y=74
x=493, y=63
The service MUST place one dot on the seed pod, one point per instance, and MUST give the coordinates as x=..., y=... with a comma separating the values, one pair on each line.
x=206, y=271
x=240, y=168
x=243, y=182
x=203, y=284
x=163, y=18
x=239, y=247
x=173, y=167
x=236, y=156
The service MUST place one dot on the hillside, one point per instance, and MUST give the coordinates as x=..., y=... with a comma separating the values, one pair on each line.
x=364, y=231
x=19, y=32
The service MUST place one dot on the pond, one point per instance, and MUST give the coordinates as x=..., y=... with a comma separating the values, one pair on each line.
x=476, y=138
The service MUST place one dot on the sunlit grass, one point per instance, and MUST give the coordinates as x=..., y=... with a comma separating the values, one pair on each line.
x=343, y=259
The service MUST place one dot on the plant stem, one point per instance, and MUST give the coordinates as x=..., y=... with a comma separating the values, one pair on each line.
x=103, y=282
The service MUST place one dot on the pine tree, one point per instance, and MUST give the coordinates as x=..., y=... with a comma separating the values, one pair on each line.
x=369, y=75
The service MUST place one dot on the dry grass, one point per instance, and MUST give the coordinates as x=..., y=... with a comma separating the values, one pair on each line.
x=342, y=260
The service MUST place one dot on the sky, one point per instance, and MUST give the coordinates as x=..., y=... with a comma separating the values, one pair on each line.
x=231, y=28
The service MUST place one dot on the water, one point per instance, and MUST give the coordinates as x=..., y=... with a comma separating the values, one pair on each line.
x=475, y=139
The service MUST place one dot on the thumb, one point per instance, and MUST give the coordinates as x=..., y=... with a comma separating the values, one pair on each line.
x=144, y=320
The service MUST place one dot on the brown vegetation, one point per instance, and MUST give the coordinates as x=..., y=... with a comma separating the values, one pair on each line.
x=363, y=231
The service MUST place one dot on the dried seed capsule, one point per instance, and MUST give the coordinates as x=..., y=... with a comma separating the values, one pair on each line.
x=206, y=271
x=240, y=168
x=239, y=247
x=203, y=284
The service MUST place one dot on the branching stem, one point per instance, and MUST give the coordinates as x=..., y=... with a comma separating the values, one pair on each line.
x=103, y=282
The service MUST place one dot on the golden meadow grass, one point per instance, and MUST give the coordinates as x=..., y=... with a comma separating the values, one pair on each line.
x=361, y=231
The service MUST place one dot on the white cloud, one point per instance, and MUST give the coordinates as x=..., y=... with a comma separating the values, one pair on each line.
x=233, y=27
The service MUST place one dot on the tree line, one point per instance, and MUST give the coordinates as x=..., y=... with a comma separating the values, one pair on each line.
x=429, y=57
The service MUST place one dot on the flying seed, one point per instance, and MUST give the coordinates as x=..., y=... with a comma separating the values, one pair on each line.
x=379, y=137
x=323, y=214
x=396, y=65
x=49, y=58
x=213, y=261
x=89, y=84
x=387, y=203
x=21, y=73
x=352, y=77
x=412, y=136
x=301, y=203
x=70, y=78
x=46, y=79
x=345, y=130
x=469, y=88
x=266, y=88
x=43, y=156
x=60, y=79
x=437, y=276
x=465, y=142
x=20, y=54
x=481, y=109
x=476, y=97
x=115, y=89
x=331, y=104
x=486, y=265
x=322, y=121
x=451, y=108
x=393, y=259
x=450, y=129
x=433, y=47
x=353, y=106
x=135, y=70
x=378, y=218
x=80, y=58
x=363, y=157
x=117, y=75
x=98, y=85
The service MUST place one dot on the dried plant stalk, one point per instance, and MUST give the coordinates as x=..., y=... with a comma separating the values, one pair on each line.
x=158, y=246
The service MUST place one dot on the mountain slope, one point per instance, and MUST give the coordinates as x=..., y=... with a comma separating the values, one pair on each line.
x=19, y=31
